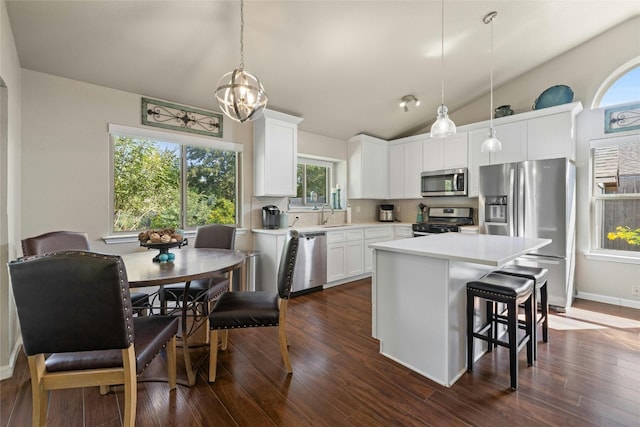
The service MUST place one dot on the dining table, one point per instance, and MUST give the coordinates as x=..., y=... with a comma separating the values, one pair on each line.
x=189, y=264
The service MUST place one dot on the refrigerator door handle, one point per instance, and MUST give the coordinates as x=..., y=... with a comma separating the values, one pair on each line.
x=513, y=206
x=521, y=201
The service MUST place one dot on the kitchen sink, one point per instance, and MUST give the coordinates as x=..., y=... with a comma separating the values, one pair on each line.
x=334, y=225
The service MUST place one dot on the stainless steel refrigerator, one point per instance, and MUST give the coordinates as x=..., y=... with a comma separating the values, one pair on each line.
x=535, y=199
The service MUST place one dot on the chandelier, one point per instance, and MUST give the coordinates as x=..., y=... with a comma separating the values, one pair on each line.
x=240, y=94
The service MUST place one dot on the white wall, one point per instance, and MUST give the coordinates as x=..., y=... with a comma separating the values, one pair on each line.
x=10, y=182
x=66, y=179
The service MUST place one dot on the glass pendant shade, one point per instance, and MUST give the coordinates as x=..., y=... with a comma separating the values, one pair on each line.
x=443, y=126
x=491, y=144
x=241, y=96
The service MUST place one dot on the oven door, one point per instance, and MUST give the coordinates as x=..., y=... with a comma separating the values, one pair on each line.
x=450, y=182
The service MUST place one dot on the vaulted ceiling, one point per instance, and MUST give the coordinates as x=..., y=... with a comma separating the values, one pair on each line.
x=341, y=65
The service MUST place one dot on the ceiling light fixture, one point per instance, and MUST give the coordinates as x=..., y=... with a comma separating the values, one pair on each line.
x=406, y=100
x=492, y=143
x=240, y=94
x=443, y=126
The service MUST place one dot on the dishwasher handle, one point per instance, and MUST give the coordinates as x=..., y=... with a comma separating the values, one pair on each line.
x=310, y=236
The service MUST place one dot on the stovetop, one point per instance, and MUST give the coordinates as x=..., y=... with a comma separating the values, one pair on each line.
x=443, y=220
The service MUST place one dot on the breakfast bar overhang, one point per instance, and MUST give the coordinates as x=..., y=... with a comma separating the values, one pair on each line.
x=419, y=299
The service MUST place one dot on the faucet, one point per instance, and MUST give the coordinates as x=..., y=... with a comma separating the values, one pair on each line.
x=324, y=220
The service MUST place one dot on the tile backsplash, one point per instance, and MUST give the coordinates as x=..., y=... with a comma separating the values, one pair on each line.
x=362, y=210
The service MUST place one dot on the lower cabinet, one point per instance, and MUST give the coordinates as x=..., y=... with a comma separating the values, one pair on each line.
x=270, y=248
x=345, y=254
x=374, y=235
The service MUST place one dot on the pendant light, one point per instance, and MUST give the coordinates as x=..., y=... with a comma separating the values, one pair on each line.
x=240, y=94
x=443, y=126
x=492, y=143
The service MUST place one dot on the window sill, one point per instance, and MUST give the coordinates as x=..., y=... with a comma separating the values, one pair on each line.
x=614, y=256
x=133, y=238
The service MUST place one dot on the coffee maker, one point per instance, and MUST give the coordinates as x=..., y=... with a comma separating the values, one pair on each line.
x=270, y=217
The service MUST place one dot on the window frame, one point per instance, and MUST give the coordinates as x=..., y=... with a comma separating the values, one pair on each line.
x=183, y=141
x=330, y=179
x=595, y=210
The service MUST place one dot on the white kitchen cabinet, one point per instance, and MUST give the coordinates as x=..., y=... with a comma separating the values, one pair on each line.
x=445, y=153
x=270, y=248
x=275, y=145
x=551, y=136
x=513, y=137
x=403, y=231
x=405, y=167
x=355, y=252
x=374, y=235
x=368, y=168
x=345, y=254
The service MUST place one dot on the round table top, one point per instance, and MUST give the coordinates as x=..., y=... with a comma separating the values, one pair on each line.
x=189, y=264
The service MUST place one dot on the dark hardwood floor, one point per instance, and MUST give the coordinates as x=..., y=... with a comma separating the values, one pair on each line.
x=588, y=374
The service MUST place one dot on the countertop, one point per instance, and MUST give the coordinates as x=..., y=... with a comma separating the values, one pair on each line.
x=330, y=227
x=475, y=248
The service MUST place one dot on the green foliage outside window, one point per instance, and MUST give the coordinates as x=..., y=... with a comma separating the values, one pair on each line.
x=148, y=182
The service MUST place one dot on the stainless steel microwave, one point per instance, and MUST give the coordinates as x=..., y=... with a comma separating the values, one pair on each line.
x=450, y=182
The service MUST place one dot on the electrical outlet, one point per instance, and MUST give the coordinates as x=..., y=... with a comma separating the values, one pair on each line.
x=635, y=290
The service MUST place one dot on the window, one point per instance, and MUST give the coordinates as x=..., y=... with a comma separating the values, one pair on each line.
x=621, y=87
x=616, y=193
x=162, y=181
x=313, y=183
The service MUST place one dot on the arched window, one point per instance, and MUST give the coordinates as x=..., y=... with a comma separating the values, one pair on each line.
x=621, y=87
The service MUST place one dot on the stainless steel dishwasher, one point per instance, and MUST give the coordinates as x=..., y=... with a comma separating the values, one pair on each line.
x=311, y=264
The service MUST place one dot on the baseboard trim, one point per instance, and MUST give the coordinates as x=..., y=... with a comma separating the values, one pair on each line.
x=6, y=371
x=622, y=302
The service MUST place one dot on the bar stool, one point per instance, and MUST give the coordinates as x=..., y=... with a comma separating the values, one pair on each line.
x=512, y=291
x=539, y=276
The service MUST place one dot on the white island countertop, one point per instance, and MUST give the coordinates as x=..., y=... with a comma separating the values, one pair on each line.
x=475, y=248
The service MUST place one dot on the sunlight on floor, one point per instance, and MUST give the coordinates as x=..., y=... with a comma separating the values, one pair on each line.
x=576, y=318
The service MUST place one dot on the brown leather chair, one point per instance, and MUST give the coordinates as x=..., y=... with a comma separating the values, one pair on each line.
x=255, y=309
x=69, y=240
x=216, y=236
x=78, y=330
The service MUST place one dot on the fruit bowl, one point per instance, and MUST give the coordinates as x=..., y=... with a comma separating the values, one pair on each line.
x=164, y=255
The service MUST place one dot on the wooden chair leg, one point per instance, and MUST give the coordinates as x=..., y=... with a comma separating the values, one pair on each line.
x=171, y=363
x=282, y=334
x=38, y=393
x=130, y=387
x=512, y=328
x=225, y=339
x=213, y=354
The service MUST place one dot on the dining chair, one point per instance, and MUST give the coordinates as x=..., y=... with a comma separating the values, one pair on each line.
x=70, y=240
x=215, y=236
x=250, y=309
x=75, y=316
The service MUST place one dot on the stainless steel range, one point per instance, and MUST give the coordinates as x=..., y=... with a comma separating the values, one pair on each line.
x=443, y=220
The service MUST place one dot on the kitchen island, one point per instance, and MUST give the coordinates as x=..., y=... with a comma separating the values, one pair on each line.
x=419, y=296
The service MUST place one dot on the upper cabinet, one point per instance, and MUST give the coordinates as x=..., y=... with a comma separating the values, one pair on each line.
x=405, y=166
x=541, y=134
x=275, y=148
x=552, y=136
x=368, y=168
x=444, y=153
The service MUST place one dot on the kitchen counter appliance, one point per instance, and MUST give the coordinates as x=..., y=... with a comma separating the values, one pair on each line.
x=443, y=220
x=385, y=213
x=270, y=217
x=310, y=273
x=449, y=182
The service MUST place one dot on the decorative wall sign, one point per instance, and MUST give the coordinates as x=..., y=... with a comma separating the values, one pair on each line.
x=620, y=119
x=178, y=117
